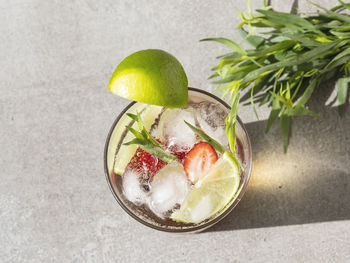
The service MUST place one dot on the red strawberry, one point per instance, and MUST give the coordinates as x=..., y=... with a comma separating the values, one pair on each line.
x=198, y=160
x=145, y=163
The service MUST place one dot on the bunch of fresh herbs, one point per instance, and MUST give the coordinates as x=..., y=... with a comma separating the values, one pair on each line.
x=290, y=57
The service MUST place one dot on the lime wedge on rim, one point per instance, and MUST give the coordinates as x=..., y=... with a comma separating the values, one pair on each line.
x=151, y=76
x=210, y=194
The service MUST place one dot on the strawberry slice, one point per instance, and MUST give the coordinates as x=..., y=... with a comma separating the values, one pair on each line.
x=198, y=161
x=145, y=163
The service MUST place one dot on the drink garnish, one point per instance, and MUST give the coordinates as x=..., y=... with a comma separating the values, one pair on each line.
x=231, y=124
x=146, y=141
x=199, y=160
x=151, y=76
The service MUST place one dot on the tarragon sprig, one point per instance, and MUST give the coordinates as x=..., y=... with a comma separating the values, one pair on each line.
x=290, y=58
x=231, y=124
x=146, y=142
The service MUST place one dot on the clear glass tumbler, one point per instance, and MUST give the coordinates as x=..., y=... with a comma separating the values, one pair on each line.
x=115, y=140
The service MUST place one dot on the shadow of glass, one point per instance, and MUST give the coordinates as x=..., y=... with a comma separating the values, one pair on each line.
x=311, y=183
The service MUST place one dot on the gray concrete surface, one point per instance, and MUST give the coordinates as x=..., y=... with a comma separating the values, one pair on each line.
x=55, y=112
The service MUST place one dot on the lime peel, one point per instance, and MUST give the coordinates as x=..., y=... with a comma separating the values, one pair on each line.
x=151, y=76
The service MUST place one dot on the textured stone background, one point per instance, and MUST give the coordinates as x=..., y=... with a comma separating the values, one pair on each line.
x=55, y=112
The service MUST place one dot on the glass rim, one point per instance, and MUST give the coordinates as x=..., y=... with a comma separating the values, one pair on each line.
x=193, y=229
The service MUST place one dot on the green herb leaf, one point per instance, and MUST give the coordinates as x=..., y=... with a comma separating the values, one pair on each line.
x=255, y=41
x=305, y=41
x=347, y=6
x=279, y=47
x=331, y=14
x=300, y=110
x=231, y=124
x=216, y=145
x=288, y=19
x=307, y=93
x=228, y=42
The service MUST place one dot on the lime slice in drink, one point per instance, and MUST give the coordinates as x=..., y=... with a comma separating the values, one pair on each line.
x=151, y=76
x=210, y=194
x=126, y=152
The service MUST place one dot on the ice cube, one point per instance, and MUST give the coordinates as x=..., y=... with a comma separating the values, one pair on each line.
x=133, y=189
x=168, y=189
x=174, y=131
x=211, y=118
x=212, y=113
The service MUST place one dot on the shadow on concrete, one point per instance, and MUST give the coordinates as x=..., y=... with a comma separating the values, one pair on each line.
x=295, y=6
x=311, y=183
